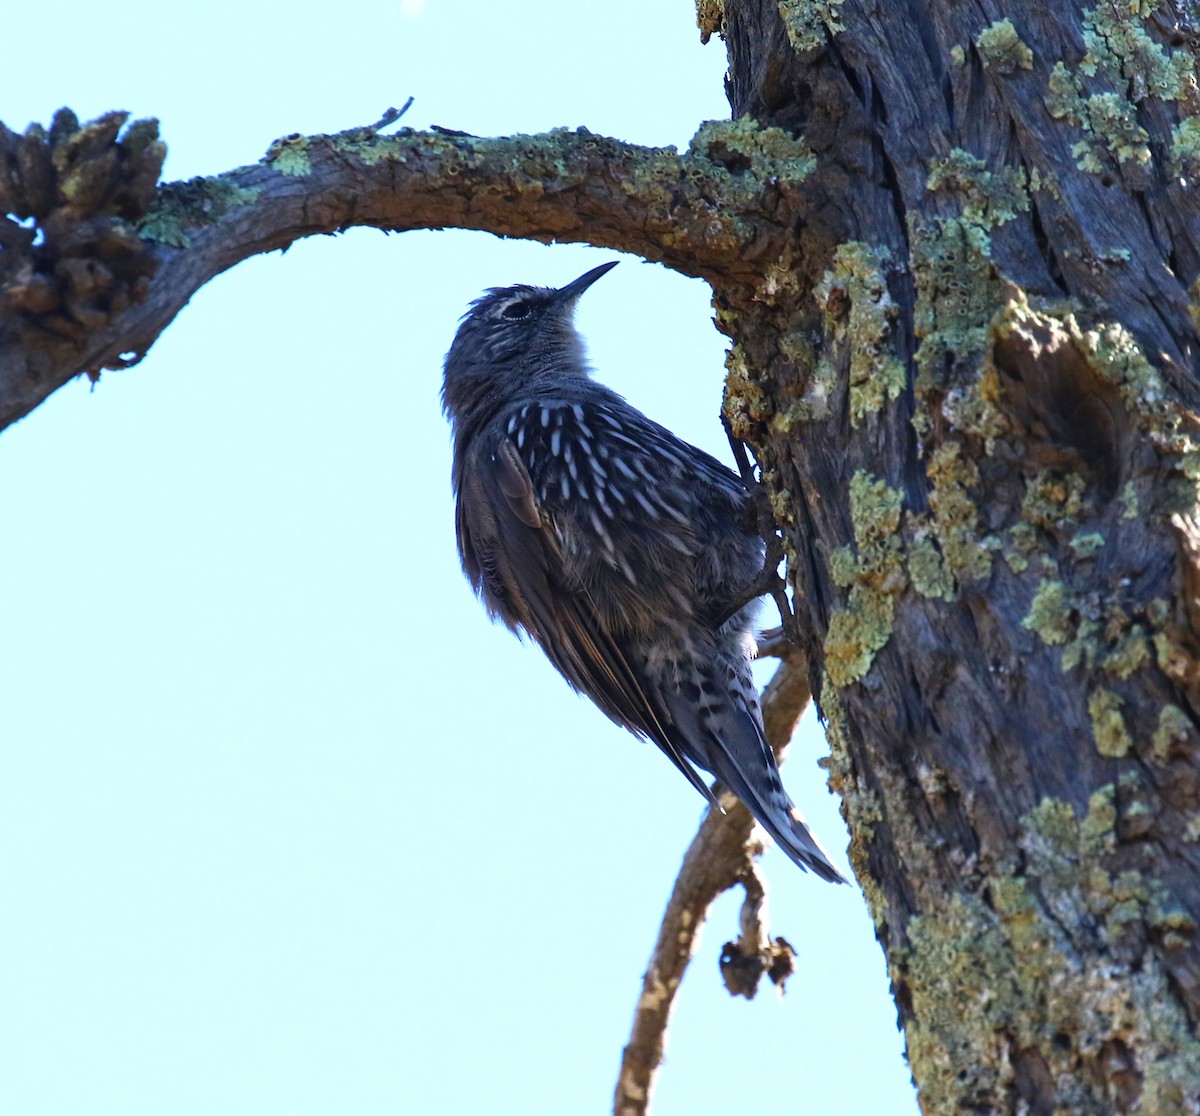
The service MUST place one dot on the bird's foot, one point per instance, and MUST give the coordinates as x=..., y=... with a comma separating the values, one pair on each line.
x=760, y=520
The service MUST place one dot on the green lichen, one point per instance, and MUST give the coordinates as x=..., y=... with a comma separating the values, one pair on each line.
x=745, y=145
x=1131, y=653
x=955, y=516
x=1174, y=727
x=874, y=510
x=1108, y=726
x=783, y=502
x=860, y=805
x=928, y=571
x=1108, y=121
x=1053, y=500
x=1177, y=927
x=958, y=291
x=1085, y=649
x=1115, y=354
x=1001, y=48
x=1086, y=544
x=1121, y=49
x=1130, y=504
x=958, y=955
x=1113, y=120
x=1098, y=828
x=1131, y=66
x=1021, y=543
x=989, y=198
x=810, y=22
x=289, y=155
x=1017, y=562
x=1172, y=659
x=1071, y=1011
x=958, y=56
x=874, y=575
x=858, y=314
x=1050, y=614
x=1045, y=181
x=179, y=206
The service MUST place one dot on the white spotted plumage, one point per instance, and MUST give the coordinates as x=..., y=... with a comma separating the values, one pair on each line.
x=614, y=544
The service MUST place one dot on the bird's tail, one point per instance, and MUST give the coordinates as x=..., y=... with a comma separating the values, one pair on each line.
x=778, y=815
x=729, y=742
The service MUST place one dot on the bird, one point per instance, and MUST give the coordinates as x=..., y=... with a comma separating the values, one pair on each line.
x=614, y=544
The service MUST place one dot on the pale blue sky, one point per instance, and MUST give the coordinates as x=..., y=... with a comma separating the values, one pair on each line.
x=285, y=825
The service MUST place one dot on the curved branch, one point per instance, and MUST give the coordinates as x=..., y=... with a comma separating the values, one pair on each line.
x=714, y=211
x=722, y=854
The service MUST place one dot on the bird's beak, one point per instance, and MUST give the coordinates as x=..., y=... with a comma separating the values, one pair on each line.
x=568, y=294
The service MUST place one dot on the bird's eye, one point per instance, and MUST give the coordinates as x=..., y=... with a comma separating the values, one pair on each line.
x=515, y=311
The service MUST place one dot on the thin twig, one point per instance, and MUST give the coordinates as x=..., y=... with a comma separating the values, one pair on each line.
x=722, y=854
x=743, y=962
x=391, y=115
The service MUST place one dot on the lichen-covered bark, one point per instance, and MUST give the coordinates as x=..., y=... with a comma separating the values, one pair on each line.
x=76, y=293
x=957, y=251
x=974, y=399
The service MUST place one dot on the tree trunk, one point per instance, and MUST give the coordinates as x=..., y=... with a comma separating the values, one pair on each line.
x=957, y=255
x=972, y=392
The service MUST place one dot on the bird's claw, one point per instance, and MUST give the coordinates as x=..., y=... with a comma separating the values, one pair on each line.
x=760, y=520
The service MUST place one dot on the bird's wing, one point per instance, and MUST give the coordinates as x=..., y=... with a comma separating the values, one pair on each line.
x=513, y=556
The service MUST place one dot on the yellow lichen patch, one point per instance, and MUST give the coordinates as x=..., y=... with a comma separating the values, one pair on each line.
x=958, y=291
x=745, y=404
x=955, y=517
x=710, y=18
x=809, y=22
x=928, y=571
x=874, y=575
x=745, y=145
x=989, y=198
x=1087, y=543
x=289, y=155
x=1131, y=66
x=1049, y=613
x=178, y=206
x=1021, y=543
x=1002, y=50
x=1185, y=148
x=958, y=955
x=1053, y=500
x=858, y=313
x=1129, y=501
x=1131, y=653
x=1108, y=726
x=1174, y=727
x=860, y=805
x=974, y=408
x=1115, y=354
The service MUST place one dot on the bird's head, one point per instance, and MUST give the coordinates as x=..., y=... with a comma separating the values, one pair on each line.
x=512, y=336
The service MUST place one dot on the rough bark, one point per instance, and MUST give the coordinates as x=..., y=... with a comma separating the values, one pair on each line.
x=974, y=401
x=956, y=249
x=76, y=292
